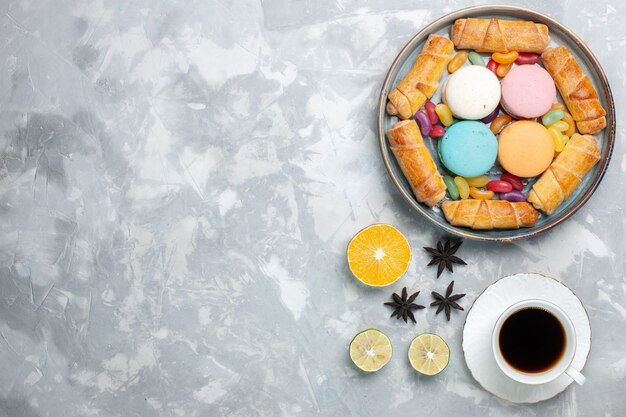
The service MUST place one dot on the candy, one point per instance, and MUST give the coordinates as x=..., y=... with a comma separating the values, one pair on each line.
x=557, y=138
x=503, y=70
x=462, y=187
x=437, y=131
x=499, y=186
x=444, y=113
x=480, y=181
x=561, y=126
x=513, y=196
x=492, y=65
x=526, y=58
x=552, y=116
x=451, y=186
x=476, y=59
x=481, y=194
x=430, y=112
x=505, y=58
x=499, y=122
x=423, y=122
x=557, y=106
x=513, y=180
x=457, y=61
x=567, y=118
x=493, y=115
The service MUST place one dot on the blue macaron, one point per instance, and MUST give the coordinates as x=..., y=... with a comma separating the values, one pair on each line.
x=468, y=148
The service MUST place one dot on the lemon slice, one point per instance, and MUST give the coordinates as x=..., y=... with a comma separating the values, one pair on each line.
x=429, y=354
x=370, y=350
x=378, y=255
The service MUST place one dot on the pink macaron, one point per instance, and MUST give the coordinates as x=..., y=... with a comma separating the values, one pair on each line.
x=528, y=92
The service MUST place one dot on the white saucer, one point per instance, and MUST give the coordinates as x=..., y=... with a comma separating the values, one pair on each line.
x=481, y=320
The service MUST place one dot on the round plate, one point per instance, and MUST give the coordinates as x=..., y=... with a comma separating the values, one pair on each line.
x=559, y=35
x=481, y=320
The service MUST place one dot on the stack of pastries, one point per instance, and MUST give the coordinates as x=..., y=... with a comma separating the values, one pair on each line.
x=504, y=113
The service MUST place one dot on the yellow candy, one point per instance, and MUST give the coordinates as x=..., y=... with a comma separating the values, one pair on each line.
x=505, y=58
x=557, y=137
x=567, y=118
x=481, y=194
x=444, y=113
x=561, y=126
x=463, y=187
x=457, y=61
x=477, y=181
x=503, y=70
x=557, y=106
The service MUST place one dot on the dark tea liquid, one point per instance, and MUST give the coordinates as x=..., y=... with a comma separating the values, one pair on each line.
x=532, y=340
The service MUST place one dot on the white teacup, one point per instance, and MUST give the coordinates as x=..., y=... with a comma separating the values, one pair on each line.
x=562, y=365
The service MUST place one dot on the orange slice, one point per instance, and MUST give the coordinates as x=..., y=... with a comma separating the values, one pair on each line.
x=378, y=255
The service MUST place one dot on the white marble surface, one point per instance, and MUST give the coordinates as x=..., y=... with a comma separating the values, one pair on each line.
x=178, y=183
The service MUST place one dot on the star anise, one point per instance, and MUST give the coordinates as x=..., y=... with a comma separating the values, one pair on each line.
x=448, y=302
x=404, y=305
x=443, y=256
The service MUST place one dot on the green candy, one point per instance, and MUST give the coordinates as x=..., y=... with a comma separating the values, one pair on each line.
x=451, y=186
x=552, y=117
x=476, y=59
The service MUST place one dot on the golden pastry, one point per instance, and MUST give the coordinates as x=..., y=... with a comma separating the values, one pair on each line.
x=577, y=91
x=489, y=214
x=416, y=162
x=495, y=35
x=565, y=173
x=422, y=80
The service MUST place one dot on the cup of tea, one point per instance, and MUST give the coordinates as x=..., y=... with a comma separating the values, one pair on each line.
x=534, y=342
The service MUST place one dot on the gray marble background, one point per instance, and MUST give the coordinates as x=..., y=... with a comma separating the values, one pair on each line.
x=178, y=183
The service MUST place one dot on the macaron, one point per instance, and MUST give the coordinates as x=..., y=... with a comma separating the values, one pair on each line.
x=472, y=92
x=528, y=92
x=468, y=148
x=525, y=148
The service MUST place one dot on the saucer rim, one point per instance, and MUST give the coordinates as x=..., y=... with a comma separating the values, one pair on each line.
x=472, y=306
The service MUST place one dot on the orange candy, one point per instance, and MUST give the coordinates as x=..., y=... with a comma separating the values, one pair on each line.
x=503, y=70
x=505, y=58
x=499, y=123
x=477, y=194
x=457, y=61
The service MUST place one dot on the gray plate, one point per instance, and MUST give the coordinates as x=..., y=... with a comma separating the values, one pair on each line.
x=560, y=35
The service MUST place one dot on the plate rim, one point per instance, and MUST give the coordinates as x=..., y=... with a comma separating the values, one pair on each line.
x=483, y=292
x=515, y=234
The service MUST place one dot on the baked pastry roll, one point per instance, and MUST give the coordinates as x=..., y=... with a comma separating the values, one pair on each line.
x=489, y=214
x=422, y=80
x=576, y=89
x=496, y=35
x=565, y=173
x=416, y=163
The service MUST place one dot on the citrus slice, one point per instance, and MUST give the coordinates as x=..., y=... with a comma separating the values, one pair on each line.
x=378, y=255
x=370, y=350
x=429, y=354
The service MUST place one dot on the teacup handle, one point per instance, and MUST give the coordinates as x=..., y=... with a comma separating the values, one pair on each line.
x=575, y=375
